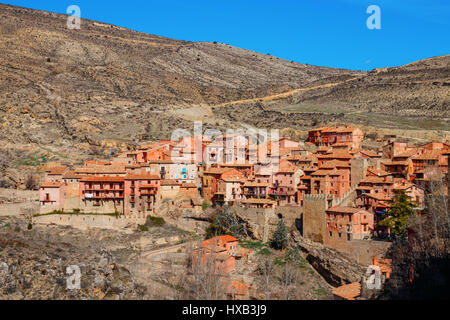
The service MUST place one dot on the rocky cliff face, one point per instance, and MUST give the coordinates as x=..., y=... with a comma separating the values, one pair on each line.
x=34, y=262
x=36, y=268
x=335, y=267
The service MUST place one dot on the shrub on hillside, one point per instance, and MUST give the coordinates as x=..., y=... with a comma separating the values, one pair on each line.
x=154, y=221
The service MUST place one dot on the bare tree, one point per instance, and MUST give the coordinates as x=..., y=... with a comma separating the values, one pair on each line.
x=433, y=228
x=204, y=277
x=288, y=280
x=421, y=264
x=266, y=268
x=30, y=183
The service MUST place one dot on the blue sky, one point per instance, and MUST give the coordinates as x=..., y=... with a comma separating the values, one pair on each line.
x=319, y=32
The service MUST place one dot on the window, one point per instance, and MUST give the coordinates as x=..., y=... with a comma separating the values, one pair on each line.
x=331, y=233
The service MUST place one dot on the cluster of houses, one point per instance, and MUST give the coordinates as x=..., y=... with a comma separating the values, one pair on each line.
x=235, y=170
x=218, y=255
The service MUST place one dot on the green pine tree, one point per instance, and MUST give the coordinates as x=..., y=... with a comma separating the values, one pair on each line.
x=279, y=239
x=398, y=215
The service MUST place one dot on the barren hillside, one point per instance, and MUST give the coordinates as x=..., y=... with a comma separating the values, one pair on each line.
x=72, y=94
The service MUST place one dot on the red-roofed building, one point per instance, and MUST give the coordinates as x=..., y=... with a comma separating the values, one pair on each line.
x=55, y=173
x=349, y=223
x=285, y=180
x=102, y=194
x=337, y=135
x=326, y=181
x=217, y=253
x=229, y=187
x=141, y=192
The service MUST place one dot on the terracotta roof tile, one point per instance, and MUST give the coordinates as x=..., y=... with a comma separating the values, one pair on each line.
x=344, y=210
x=258, y=201
x=348, y=291
x=102, y=179
x=170, y=182
x=52, y=184
x=145, y=176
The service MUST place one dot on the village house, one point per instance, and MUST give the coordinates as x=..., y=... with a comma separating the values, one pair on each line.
x=217, y=253
x=210, y=177
x=229, y=187
x=285, y=181
x=349, y=223
x=189, y=189
x=315, y=135
x=377, y=203
x=393, y=148
x=55, y=174
x=376, y=184
x=253, y=189
x=170, y=189
x=328, y=136
x=415, y=193
x=51, y=196
x=71, y=181
x=102, y=194
x=142, y=190
x=325, y=181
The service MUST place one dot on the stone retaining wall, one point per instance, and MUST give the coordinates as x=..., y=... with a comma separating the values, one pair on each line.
x=89, y=221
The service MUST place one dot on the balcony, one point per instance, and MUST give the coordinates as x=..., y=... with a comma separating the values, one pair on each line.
x=47, y=200
x=148, y=192
x=103, y=196
x=103, y=189
x=254, y=194
x=109, y=197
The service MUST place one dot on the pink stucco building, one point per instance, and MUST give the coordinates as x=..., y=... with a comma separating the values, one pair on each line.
x=51, y=196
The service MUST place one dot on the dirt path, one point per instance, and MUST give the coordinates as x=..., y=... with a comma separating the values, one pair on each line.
x=284, y=94
x=173, y=248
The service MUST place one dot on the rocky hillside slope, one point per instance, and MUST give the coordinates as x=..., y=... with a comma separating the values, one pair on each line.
x=73, y=94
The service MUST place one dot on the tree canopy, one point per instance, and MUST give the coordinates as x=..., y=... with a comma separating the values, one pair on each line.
x=398, y=214
x=279, y=239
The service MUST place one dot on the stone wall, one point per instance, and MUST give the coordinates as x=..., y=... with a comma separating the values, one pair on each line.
x=14, y=195
x=14, y=202
x=9, y=209
x=89, y=221
x=361, y=251
x=262, y=222
x=106, y=206
x=314, y=219
x=336, y=267
x=358, y=170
